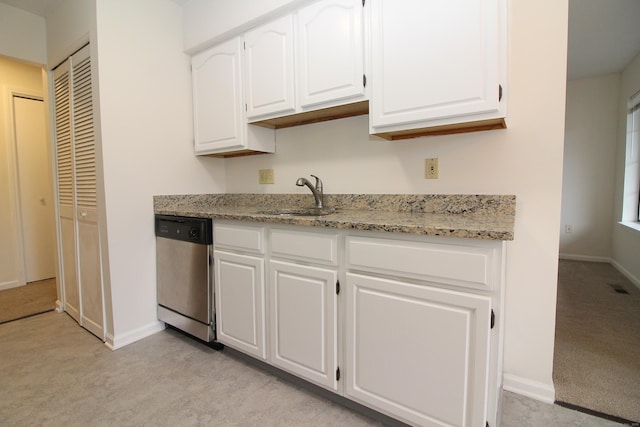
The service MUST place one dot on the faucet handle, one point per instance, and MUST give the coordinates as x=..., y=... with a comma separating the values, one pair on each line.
x=318, y=183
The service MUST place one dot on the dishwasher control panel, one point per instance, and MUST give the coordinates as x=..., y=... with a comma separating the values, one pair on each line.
x=195, y=230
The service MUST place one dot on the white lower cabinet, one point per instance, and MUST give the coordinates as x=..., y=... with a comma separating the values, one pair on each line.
x=239, y=293
x=412, y=334
x=303, y=321
x=417, y=352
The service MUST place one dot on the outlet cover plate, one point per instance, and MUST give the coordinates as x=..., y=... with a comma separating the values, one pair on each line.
x=431, y=168
x=265, y=176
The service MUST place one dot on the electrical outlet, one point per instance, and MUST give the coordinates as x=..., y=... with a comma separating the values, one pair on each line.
x=431, y=168
x=265, y=176
x=568, y=228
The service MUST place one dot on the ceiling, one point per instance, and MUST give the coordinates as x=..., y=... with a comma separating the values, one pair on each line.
x=604, y=35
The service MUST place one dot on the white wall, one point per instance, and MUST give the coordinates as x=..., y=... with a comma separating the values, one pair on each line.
x=626, y=240
x=14, y=75
x=147, y=145
x=525, y=160
x=591, y=125
x=22, y=35
x=69, y=27
x=210, y=19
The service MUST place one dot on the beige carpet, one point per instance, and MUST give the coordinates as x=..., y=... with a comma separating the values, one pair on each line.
x=23, y=301
x=597, y=344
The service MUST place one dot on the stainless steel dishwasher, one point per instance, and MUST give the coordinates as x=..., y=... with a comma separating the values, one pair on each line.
x=184, y=276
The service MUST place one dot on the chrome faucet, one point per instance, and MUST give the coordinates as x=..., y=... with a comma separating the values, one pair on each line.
x=316, y=190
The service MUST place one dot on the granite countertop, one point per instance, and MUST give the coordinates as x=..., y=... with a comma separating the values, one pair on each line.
x=489, y=217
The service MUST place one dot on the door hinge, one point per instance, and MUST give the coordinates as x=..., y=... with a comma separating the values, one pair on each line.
x=499, y=93
x=210, y=260
x=493, y=319
x=362, y=3
x=364, y=80
x=338, y=374
x=244, y=45
x=337, y=287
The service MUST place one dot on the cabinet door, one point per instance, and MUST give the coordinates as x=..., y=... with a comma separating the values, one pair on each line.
x=239, y=295
x=434, y=60
x=269, y=68
x=330, y=52
x=217, y=98
x=416, y=352
x=303, y=321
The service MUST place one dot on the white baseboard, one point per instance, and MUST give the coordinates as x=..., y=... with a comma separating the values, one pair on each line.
x=116, y=342
x=9, y=285
x=536, y=390
x=614, y=263
x=626, y=273
x=589, y=258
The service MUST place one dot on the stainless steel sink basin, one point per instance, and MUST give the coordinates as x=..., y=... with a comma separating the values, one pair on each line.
x=298, y=212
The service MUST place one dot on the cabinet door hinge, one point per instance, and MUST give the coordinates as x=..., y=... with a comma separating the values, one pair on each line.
x=244, y=45
x=499, y=93
x=338, y=374
x=493, y=319
x=364, y=80
x=337, y=287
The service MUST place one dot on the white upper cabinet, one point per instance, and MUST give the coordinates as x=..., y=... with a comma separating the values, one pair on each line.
x=220, y=127
x=436, y=64
x=330, y=52
x=270, y=72
x=307, y=66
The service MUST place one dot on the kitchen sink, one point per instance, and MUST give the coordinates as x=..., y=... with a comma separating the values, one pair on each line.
x=298, y=212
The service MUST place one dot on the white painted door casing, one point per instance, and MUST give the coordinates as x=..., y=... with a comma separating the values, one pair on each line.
x=417, y=352
x=303, y=321
x=435, y=62
x=240, y=303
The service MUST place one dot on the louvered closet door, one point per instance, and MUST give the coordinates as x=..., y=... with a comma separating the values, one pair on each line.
x=86, y=199
x=66, y=191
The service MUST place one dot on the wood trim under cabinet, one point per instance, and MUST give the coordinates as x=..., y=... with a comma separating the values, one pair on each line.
x=239, y=153
x=332, y=113
x=491, y=124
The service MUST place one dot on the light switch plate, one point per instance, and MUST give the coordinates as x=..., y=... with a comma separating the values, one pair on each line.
x=431, y=168
x=265, y=176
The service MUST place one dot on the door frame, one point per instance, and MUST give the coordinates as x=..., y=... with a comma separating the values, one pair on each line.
x=14, y=185
x=23, y=259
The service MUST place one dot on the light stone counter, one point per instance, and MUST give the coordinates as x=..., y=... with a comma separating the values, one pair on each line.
x=489, y=217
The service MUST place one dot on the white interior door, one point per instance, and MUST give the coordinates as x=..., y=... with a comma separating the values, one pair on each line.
x=34, y=189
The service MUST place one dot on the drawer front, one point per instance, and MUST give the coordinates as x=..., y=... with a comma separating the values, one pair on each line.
x=239, y=237
x=314, y=247
x=452, y=264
